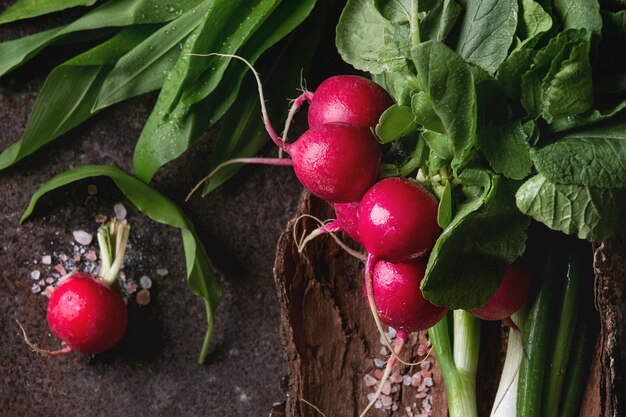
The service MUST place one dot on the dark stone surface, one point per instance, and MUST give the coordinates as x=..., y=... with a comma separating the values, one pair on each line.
x=153, y=371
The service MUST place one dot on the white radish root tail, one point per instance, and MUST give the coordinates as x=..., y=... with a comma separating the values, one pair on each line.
x=302, y=241
x=43, y=352
x=261, y=161
x=313, y=406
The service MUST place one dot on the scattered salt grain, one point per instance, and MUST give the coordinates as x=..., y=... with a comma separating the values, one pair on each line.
x=379, y=363
x=369, y=380
x=421, y=395
x=406, y=380
x=77, y=257
x=395, y=378
x=428, y=382
x=145, y=282
x=48, y=291
x=36, y=289
x=101, y=218
x=49, y=280
x=378, y=405
x=378, y=373
x=46, y=259
x=426, y=374
x=92, y=256
x=416, y=380
x=60, y=269
x=371, y=396
x=82, y=237
x=92, y=189
x=131, y=287
x=392, y=333
x=35, y=274
x=162, y=272
x=394, y=407
x=385, y=400
x=386, y=388
x=425, y=366
x=120, y=211
x=41, y=283
x=63, y=257
x=422, y=349
x=407, y=409
x=143, y=297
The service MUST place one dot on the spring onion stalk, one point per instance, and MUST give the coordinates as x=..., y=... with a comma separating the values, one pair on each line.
x=505, y=403
x=458, y=364
x=568, y=318
x=538, y=340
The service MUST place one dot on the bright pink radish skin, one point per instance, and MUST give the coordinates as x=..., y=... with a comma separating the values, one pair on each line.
x=86, y=314
x=337, y=162
x=397, y=220
x=509, y=297
x=399, y=300
x=346, y=214
x=349, y=99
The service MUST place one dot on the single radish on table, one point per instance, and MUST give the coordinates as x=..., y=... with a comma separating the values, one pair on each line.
x=84, y=311
x=510, y=295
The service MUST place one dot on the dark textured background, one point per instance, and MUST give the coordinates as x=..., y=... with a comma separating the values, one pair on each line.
x=153, y=371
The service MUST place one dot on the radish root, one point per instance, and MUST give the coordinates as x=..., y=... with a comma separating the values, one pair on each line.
x=304, y=239
x=43, y=352
x=262, y=161
x=313, y=406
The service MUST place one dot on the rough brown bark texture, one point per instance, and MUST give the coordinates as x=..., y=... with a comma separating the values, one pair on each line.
x=610, y=268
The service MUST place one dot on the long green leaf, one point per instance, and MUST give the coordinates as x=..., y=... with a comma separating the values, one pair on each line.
x=69, y=93
x=156, y=55
x=201, y=279
x=114, y=13
x=25, y=9
x=243, y=133
x=169, y=132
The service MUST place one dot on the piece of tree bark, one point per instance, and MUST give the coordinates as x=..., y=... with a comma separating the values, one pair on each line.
x=609, y=265
x=328, y=333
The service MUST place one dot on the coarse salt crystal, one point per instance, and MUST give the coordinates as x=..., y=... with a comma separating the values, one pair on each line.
x=46, y=259
x=406, y=380
x=392, y=333
x=48, y=291
x=49, y=280
x=120, y=211
x=60, y=269
x=378, y=405
x=369, y=380
x=371, y=396
x=425, y=366
x=35, y=288
x=82, y=237
x=63, y=257
x=91, y=255
x=394, y=407
x=35, y=274
x=416, y=379
x=386, y=388
x=428, y=382
x=143, y=297
x=162, y=272
x=378, y=373
x=420, y=395
x=145, y=282
x=379, y=363
x=395, y=378
x=385, y=400
x=101, y=218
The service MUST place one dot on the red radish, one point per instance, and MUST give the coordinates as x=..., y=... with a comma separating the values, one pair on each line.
x=84, y=311
x=349, y=99
x=398, y=298
x=88, y=315
x=397, y=220
x=337, y=162
x=394, y=295
x=347, y=217
x=509, y=297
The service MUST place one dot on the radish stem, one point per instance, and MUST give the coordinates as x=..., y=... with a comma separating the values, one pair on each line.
x=459, y=379
x=297, y=103
x=112, y=238
x=505, y=403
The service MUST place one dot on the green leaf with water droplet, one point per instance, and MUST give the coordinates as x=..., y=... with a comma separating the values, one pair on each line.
x=25, y=9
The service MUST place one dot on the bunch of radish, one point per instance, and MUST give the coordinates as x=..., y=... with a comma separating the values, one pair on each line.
x=85, y=312
x=395, y=219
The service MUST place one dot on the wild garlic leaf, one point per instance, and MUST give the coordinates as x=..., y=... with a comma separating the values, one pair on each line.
x=448, y=81
x=201, y=278
x=114, y=13
x=25, y=9
x=590, y=213
x=69, y=93
x=486, y=234
x=174, y=125
x=594, y=158
x=533, y=23
x=425, y=113
x=487, y=32
x=569, y=122
x=507, y=150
